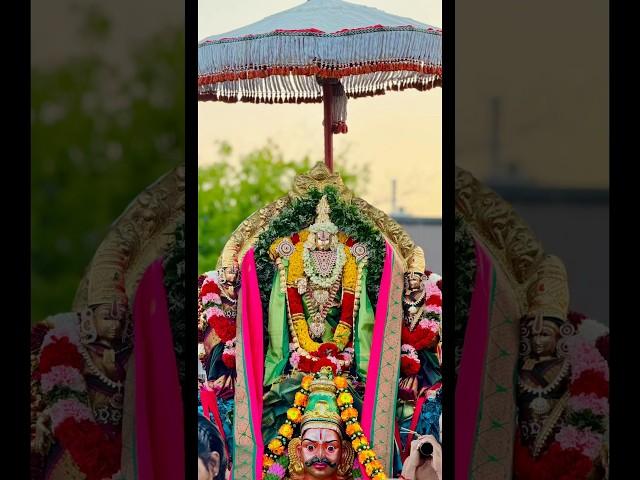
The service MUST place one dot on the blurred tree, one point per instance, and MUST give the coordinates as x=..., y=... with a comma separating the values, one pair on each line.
x=229, y=191
x=99, y=137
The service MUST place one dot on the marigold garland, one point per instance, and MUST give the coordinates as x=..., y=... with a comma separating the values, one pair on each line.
x=273, y=465
x=366, y=456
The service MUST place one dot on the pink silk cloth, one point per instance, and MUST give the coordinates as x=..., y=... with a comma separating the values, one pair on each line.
x=470, y=377
x=159, y=420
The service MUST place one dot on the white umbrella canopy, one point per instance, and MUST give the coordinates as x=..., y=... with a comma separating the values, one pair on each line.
x=321, y=50
x=279, y=59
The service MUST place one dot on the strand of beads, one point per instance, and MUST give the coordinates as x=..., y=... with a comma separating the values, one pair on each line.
x=274, y=461
x=366, y=456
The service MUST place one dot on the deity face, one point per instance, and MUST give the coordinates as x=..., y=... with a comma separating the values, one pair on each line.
x=414, y=282
x=108, y=323
x=323, y=240
x=320, y=451
x=544, y=343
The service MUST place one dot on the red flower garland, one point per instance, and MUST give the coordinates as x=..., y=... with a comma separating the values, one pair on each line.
x=590, y=381
x=224, y=327
x=409, y=366
x=554, y=464
x=97, y=457
x=420, y=338
x=93, y=451
x=61, y=352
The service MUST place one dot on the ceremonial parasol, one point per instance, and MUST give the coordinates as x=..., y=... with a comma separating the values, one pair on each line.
x=320, y=51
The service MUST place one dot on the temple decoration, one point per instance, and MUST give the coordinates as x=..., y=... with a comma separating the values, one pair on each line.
x=327, y=327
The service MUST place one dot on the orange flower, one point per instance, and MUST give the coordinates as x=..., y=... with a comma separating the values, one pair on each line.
x=353, y=428
x=306, y=382
x=349, y=413
x=276, y=446
x=294, y=415
x=371, y=466
x=300, y=399
x=345, y=398
x=286, y=430
x=340, y=382
x=366, y=455
x=267, y=461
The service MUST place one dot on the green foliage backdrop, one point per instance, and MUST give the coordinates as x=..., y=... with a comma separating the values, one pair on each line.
x=229, y=190
x=99, y=137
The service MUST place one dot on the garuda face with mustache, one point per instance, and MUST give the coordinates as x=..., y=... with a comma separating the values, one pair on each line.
x=321, y=452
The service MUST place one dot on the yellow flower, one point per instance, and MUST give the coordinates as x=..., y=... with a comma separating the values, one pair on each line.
x=340, y=382
x=356, y=444
x=353, y=428
x=302, y=331
x=286, y=430
x=379, y=476
x=296, y=265
x=300, y=399
x=304, y=234
x=276, y=446
x=341, y=335
x=342, y=237
x=344, y=398
x=306, y=382
x=294, y=415
x=350, y=271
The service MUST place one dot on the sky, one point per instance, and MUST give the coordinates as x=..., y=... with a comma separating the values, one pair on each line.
x=398, y=135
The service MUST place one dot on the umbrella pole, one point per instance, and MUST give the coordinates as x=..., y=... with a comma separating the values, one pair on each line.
x=327, y=98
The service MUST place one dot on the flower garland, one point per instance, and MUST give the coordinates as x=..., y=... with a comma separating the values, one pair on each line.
x=275, y=462
x=213, y=310
x=308, y=355
x=229, y=354
x=311, y=269
x=580, y=440
x=298, y=216
x=366, y=456
x=62, y=382
x=426, y=333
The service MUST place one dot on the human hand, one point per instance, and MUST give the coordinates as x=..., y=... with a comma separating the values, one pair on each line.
x=417, y=467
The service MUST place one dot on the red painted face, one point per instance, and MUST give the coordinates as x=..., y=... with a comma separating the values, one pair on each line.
x=320, y=451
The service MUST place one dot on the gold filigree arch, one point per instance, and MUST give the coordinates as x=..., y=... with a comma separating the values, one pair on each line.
x=318, y=178
x=144, y=232
x=514, y=247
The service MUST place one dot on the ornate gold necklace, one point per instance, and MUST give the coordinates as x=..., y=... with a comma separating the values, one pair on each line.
x=540, y=405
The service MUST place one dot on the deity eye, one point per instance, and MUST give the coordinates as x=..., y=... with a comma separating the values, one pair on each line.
x=310, y=448
x=331, y=449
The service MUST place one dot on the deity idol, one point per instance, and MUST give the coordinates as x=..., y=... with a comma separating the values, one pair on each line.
x=542, y=413
x=83, y=385
x=322, y=286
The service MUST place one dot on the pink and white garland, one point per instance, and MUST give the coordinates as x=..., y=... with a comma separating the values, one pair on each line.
x=61, y=378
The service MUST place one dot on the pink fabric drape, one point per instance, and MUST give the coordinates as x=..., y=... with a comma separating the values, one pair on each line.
x=471, y=373
x=158, y=400
x=253, y=349
x=376, y=347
